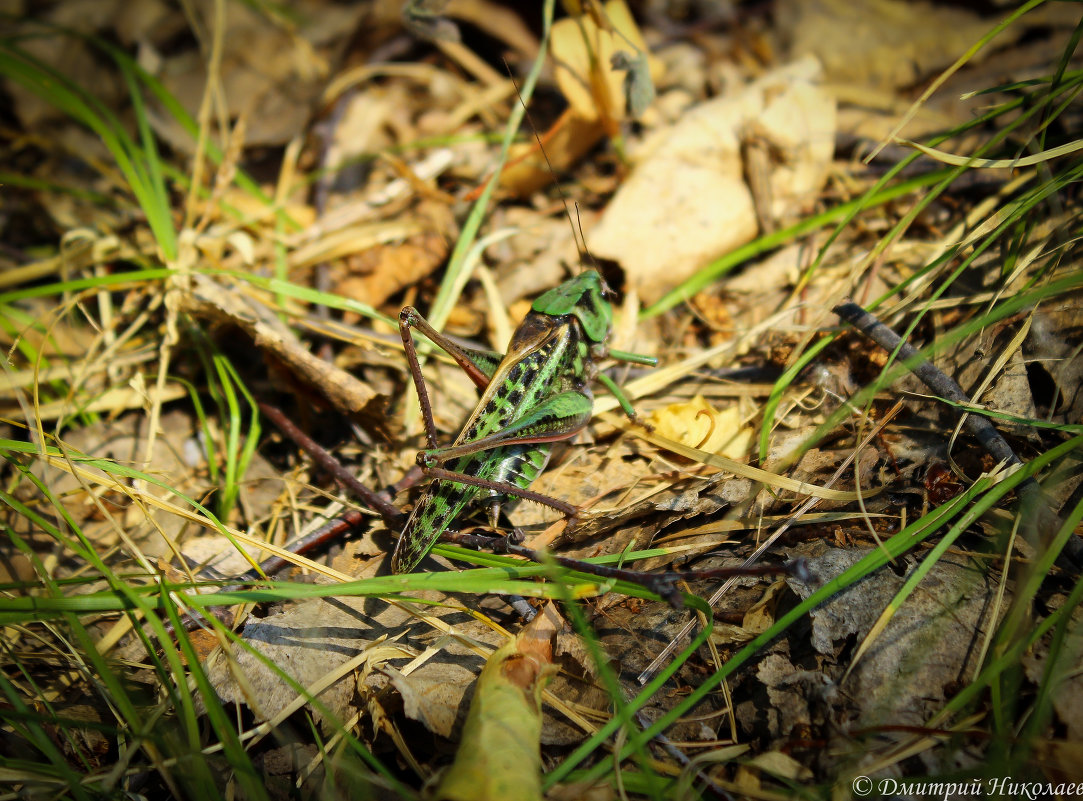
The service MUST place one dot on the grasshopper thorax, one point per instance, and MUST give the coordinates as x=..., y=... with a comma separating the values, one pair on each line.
x=584, y=297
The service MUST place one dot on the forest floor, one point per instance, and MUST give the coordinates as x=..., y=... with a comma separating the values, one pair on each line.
x=816, y=563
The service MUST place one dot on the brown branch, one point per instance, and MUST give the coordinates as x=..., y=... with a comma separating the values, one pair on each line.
x=1039, y=519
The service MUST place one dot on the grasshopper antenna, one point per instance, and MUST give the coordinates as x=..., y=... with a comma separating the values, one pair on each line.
x=579, y=237
x=584, y=254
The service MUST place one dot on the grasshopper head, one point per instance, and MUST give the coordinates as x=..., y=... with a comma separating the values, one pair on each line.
x=583, y=296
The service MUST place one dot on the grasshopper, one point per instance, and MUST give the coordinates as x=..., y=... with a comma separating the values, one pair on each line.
x=536, y=394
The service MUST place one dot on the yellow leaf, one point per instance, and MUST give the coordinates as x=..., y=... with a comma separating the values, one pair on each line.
x=697, y=424
x=583, y=53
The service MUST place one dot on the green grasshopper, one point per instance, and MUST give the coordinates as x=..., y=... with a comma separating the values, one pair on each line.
x=535, y=395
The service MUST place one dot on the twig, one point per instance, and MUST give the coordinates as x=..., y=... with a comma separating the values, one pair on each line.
x=330, y=531
x=1039, y=515
x=373, y=500
x=930, y=376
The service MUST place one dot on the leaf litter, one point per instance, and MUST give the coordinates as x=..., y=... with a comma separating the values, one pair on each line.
x=388, y=668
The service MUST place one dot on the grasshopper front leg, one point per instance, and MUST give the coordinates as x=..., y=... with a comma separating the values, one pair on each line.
x=478, y=364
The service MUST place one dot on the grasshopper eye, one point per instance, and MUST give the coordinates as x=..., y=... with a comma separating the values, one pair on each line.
x=591, y=265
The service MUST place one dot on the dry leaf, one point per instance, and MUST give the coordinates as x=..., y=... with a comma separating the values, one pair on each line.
x=387, y=269
x=698, y=424
x=312, y=642
x=781, y=765
x=687, y=201
x=565, y=143
x=273, y=75
x=583, y=53
x=499, y=21
x=375, y=272
x=604, y=72
x=1067, y=683
x=759, y=617
x=910, y=666
x=885, y=44
x=176, y=460
x=1010, y=390
x=499, y=758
